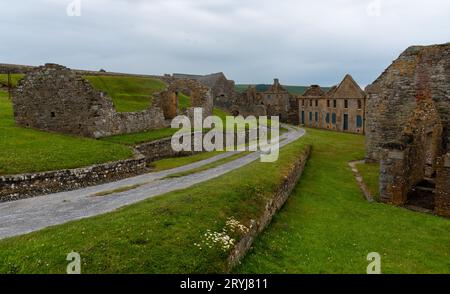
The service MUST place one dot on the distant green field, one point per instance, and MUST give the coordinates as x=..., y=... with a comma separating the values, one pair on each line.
x=15, y=78
x=129, y=94
x=295, y=90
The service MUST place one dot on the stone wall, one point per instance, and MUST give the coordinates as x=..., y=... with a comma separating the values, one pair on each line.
x=28, y=185
x=222, y=89
x=24, y=69
x=276, y=101
x=272, y=207
x=13, y=187
x=201, y=95
x=408, y=123
x=160, y=149
x=54, y=98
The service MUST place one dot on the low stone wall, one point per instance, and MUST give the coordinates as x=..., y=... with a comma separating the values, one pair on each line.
x=279, y=198
x=21, y=186
x=14, y=187
x=160, y=149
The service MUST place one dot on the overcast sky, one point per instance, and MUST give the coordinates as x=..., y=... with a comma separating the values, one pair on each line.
x=251, y=41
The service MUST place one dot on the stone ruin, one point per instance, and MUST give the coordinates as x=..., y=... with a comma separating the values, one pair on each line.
x=408, y=128
x=275, y=101
x=56, y=98
x=222, y=89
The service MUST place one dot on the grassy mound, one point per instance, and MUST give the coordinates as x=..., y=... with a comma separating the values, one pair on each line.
x=129, y=94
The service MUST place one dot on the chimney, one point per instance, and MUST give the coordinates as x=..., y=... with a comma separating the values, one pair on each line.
x=276, y=82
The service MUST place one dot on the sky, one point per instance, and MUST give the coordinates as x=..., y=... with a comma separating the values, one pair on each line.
x=251, y=41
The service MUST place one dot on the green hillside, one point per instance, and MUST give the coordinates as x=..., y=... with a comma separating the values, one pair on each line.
x=128, y=93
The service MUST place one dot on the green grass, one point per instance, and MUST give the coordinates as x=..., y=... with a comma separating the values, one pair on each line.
x=184, y=101
x=142, y=137
x=370, y=173
x=118, y=190
x=170, y=163
x=152, y=135
x=209, y=165
x=129, y=94
x=26, y=150
x=328, y=227
x=222, y=114
x=15, y=78
x=156, y=235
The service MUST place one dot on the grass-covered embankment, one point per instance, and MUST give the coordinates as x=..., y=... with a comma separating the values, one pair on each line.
x=129, y=94
x=328, y=227
x=157, y=235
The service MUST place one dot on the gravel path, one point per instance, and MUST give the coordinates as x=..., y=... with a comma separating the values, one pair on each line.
x=28, y=215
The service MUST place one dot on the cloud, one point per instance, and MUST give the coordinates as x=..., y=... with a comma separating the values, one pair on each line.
x=252, y=41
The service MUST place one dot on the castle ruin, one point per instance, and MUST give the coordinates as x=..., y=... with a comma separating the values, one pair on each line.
x=407, y=128
x=56, y=98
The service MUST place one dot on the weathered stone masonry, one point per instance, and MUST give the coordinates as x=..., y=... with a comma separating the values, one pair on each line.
x=54, y=98
x=340, y=109
x=272, y=207
x=407, y=126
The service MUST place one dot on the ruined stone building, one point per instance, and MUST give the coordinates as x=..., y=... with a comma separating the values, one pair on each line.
x=275, y=101
x=340, y=109
x=55, y=98
x=278, y=102
x=222, y=88
x=407, y=126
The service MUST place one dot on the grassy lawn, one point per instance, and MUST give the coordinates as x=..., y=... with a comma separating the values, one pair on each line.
x=27, y=150
x=184, y=101
x=15, y=78
x=157, y=235
x=209, y=165
x=142, y=137
x=327, y=226
x=129, y=94
x=371, y=177
x=170, y=163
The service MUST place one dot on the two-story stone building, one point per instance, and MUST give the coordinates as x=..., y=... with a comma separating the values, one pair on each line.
x=339, y=109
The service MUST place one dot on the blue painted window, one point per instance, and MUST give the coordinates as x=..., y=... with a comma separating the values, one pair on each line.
x=316, y=116
x=303, y=117
x=310, y=117
x=333, y=118
x=358, y=121
x=327, y=118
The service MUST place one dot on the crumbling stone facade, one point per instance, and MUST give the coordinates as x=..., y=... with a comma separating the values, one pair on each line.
x=200, y=95
x=275, y=101
x=55, y=98
x=407, y=125
x=222, y=89
x=340, y=109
